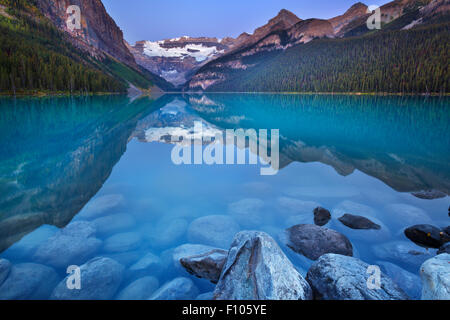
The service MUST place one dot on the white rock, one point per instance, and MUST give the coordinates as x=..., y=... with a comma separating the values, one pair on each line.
x=435, y=274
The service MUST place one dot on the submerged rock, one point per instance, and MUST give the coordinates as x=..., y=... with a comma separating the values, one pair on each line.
x=150, y=264
x=122, y=242
x=101, y=205
x=296, y=206
x=402, y=252
x=247, y=212
x=435, y=274
x=444, y=249
x=257, y=269
x=321, y=216
x=313, y=241
x=207, y=265
x=139, y=289
x=27, y=246
x=166, y=233
x=338, y=277
x=100, y=279
x=205, y=296
x=5, y=267
x=73, y=245
x=177, y=289
x=114, y=223
x=408, y=281
x=28, y=281
x=358, y=222
x=216, y=230
x=427, y=236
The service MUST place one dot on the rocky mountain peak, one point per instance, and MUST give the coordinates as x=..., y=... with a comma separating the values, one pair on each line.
x=355, y=12
x=285, y=16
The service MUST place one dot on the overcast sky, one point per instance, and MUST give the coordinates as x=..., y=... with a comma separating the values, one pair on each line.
x=164, y=19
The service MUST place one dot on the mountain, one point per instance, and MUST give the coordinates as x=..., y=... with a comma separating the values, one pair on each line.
x=175, y=59
x=39, y=53
x=341, y=54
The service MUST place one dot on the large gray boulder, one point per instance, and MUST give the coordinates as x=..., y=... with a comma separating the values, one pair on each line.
x=257, y=269
x=73, y=245
x=177, y=289
x=215, y=230
x=28, y=281
x=435, y=274
x=338, y=277
x=5, y=267
x=100, y=279
x=139, y=289
x=207, y=265
x=313, y=241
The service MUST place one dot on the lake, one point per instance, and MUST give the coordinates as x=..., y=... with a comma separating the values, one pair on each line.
x=103, y=164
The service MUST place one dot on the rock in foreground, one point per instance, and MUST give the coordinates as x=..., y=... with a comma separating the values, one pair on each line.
x=435, y=274
x=257, y=269
x=100, y=279
x=313, y=241
x=207, y=265
x=338, y=277
x=358, y=222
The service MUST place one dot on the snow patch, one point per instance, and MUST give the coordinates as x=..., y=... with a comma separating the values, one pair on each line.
x=197, y=51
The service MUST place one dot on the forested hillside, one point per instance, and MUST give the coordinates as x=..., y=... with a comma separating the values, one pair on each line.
x=36, y=57
x=407, y=61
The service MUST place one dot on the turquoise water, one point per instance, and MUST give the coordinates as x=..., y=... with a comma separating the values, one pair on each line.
x=107, y=160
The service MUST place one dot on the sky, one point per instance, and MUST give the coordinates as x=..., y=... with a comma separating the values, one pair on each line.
x=166, y=19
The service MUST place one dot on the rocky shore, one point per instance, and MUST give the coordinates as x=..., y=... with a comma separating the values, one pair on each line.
x=223, y=262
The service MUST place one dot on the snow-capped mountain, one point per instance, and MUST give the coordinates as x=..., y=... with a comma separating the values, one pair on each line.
x=175, y=59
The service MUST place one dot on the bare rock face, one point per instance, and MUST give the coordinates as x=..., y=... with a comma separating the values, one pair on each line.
x=338, y=277
x=99, y=33
x=313, y=241
x=206, y=265
x=257, y=269
x=356, y=11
